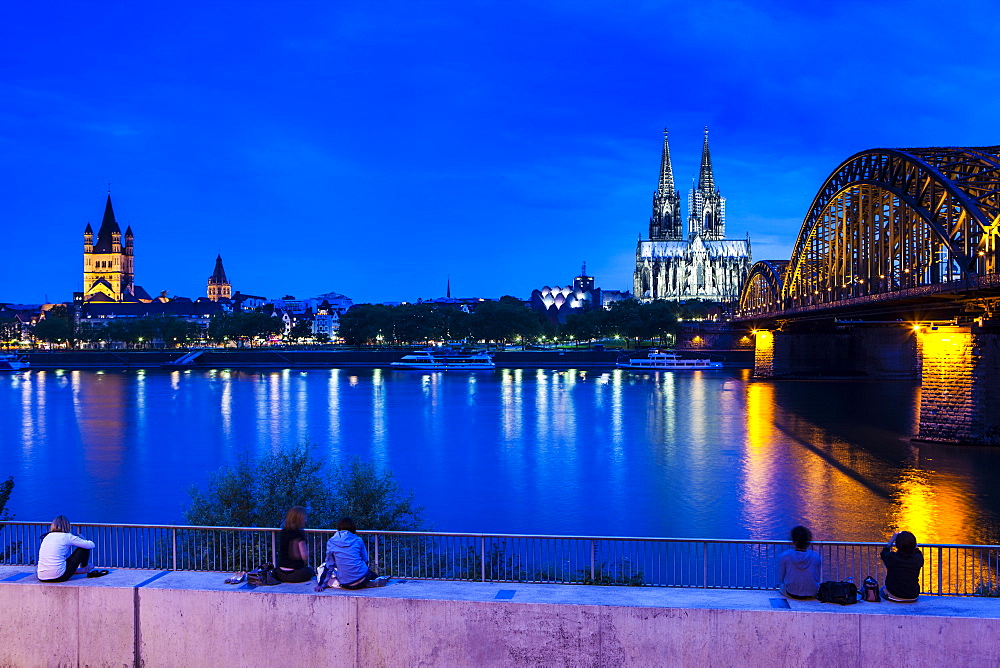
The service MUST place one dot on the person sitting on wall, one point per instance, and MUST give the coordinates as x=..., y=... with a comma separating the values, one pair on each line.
x=63, y=555
x=902, y=568
x=799, y=569
x=293, y=549
x=347, y=558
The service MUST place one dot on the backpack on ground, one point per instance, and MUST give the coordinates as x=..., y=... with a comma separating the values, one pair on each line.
x=262, y=576
x=871, y=590
x=843, y=593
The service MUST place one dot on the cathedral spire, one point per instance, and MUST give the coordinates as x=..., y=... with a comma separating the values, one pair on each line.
x=666, y=168
x=665, y=222
x=706, y=181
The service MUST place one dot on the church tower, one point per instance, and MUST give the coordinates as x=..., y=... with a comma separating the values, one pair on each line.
x=666, y=223
x=108, y=270
x=218, y=284
x=706, y=206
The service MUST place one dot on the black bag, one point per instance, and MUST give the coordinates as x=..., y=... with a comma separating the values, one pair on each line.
x=871, y=594
x=844, y=593
x=262, y=576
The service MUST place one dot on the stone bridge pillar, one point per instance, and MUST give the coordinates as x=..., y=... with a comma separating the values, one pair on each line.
x=859, y=352
x=960, y=386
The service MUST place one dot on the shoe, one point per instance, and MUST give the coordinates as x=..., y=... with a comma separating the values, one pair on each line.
x=237, y=577
x=97, y=572
x=380, y=581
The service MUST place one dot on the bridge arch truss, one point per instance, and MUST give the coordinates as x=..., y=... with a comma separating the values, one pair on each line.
x=889, y=221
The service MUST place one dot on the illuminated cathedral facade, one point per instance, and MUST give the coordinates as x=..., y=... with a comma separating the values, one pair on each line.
x=705, y=265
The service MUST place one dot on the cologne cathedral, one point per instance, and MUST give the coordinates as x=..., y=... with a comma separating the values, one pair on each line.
x=706, y=265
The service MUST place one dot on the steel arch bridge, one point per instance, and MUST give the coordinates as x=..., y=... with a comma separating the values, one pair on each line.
x=889, y=224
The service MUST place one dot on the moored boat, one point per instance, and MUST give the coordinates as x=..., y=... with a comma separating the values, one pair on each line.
x=667, y=361
x=11, y=362
x=428, y=360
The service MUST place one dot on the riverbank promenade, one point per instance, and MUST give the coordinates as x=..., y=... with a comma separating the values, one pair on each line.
x=171, y=618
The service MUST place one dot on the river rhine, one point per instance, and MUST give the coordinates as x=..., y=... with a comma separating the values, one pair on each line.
x=681, y=454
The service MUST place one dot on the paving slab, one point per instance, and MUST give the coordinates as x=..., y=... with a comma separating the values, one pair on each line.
x=554, y=594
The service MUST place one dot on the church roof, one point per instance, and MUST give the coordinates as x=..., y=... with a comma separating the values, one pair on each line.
x=219, y=275
x=720, y=248
x=109, y=226
x=100, y=296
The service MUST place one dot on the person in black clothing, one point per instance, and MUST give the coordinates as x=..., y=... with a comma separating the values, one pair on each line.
x=902, y=568
x=293, y=550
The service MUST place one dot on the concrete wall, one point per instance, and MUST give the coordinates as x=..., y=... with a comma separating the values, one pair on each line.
x=463, y=624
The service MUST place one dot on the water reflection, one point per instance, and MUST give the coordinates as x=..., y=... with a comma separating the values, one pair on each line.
x=524, y=451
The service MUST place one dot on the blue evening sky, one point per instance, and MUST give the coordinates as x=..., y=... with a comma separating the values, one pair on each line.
x=375, y=148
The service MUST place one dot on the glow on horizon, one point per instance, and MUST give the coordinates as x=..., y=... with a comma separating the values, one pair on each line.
x=333, y=148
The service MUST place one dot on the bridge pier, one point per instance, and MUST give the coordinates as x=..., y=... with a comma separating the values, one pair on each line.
x=959, y=395
x=864, y=352
x=958, y=369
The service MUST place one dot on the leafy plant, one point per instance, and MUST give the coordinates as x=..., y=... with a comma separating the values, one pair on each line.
x=6, y=488
x=256, y=492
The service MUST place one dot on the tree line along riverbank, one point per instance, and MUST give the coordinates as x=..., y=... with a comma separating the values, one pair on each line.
x=330, y=359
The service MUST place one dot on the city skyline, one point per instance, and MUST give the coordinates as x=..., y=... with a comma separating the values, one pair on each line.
x=378, y=153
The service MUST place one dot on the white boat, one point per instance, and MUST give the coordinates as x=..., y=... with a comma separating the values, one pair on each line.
x=428, y=360
x=9, y=362
x=668, y=361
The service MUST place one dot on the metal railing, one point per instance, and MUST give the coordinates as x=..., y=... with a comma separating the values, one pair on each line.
x=957, y=570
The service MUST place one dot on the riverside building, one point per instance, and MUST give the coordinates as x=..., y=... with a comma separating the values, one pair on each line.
x=705, y=265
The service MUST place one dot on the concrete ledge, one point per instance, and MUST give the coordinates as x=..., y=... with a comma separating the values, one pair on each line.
x=180, y=618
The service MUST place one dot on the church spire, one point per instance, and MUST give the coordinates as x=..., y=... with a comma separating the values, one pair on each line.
x=219, y=275
x=218, y=285
x=106, y=235
x=706, y=181
x=707, y=205
x=666, y=168
x=665, y=224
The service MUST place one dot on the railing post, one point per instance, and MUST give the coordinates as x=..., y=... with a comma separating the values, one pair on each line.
x=174, y=536
x=378, y=564
x=482, y=560
x=940, y=590
x=593, y=556
x=704, y=565
x=274, y=548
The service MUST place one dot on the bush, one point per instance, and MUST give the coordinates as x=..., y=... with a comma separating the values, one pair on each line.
x=12, y=549
x=258, y=492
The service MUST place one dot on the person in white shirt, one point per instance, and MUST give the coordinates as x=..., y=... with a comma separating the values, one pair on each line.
x=63, y=555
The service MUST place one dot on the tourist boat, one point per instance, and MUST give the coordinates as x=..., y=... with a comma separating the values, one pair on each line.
x=668, y=361
x=9, y=362
x=429, y=360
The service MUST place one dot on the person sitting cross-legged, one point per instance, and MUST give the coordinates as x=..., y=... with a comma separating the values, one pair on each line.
x=799, y=569
x=347, y=558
